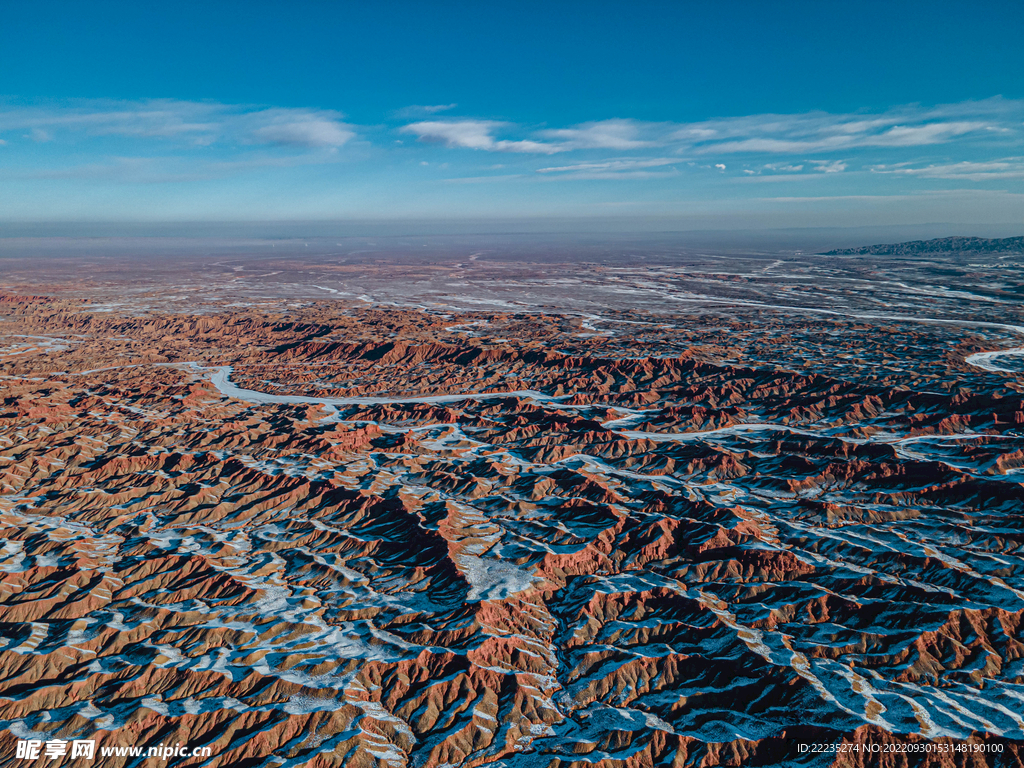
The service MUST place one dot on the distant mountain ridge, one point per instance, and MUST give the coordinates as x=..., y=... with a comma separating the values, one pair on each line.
x=939, y=245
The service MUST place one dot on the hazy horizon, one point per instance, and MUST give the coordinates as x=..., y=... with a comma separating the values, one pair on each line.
x=29, y=235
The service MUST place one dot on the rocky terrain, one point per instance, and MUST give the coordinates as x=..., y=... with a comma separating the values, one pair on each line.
x=648, y=509
x=944, y=245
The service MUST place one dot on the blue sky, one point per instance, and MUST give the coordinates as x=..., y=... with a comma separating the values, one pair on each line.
x=702, y=114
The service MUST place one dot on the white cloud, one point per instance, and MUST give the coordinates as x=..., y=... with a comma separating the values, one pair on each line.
x=768, y=134
x=473, y=134
x=780, y=146
x=434, y=108
x=817, y=132
x=696, y=133
x=1005, y=168
x=422, y=110
x=799, y=137
x=627, y=164
x=621, y=168
x=298, y=128
x=605, y=134
x=194, y=123
x=833, y=166
x=479, y=134
x=931, y=133
x=526, y=146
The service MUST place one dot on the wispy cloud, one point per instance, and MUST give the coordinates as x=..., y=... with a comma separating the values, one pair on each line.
x=622, y=168
x=423, y=110
x=827, y=166
x=629, y=164
x=798, y=135
x=829, y=137
x=170, y=141
x=474, y=134
x=39, y=135
x=299, y=128
x=784, y=171
x=929, y=133
x=1005, y=168
x=196, y=123
x=821, y=132
x=604, y=134
x=479, y=134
